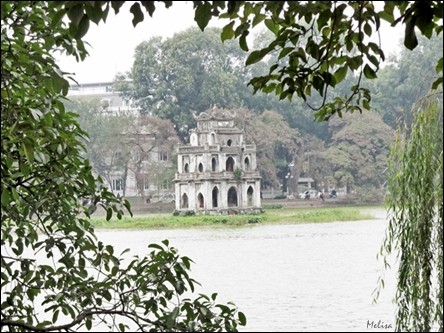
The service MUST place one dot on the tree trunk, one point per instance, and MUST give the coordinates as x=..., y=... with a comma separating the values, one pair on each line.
x=298, y=158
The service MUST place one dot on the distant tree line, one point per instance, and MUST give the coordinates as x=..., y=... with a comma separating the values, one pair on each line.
x=349, y=151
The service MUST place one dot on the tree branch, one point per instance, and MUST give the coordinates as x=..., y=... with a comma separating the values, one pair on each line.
x=81, y=317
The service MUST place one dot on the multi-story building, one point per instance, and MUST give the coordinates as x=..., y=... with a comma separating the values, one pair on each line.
x=217, y=171
x=139, y=167
x=111, y=101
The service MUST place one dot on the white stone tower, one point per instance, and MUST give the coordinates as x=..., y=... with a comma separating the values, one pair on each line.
x=217, y=171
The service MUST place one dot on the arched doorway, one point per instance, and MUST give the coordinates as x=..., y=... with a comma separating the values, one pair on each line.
x=229, y=165
x=184, y=201
x=250, y=196
x=247, y=164
x=232, y=197
x=200, y=200
x=215, y=195
x=214, y=164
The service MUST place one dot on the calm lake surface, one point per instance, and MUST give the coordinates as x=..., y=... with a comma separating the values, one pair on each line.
x=306, y=277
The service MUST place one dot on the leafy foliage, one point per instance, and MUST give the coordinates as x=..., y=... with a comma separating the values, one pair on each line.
x=105, y=149
x=415, y=203
x=359, y=149
x=318, y=44
x=56, y=276
x=275, y=143
x=126, y=145
x=406, y=78
x=166, y=86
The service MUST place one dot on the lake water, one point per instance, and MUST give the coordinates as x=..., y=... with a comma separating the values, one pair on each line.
x=285, y=278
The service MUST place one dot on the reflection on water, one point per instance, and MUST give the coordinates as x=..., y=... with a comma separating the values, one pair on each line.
x=306, y=277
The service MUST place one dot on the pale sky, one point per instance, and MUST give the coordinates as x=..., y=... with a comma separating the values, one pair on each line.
x=113, y=43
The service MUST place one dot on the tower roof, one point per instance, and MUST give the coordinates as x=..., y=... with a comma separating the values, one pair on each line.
x=215, y=114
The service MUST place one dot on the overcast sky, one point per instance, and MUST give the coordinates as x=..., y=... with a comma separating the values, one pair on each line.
x=113, y=43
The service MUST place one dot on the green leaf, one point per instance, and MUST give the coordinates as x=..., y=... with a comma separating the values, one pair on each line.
x=323, y=18
x=256, y=56
x=437, y=83
x=88, y=323
x=116, y=5
x=227, y=32
x=155, y=246
x=368, y=29
x=109, y=249
x=203, y=15
x=242, y=318
x=6, y=198
x=269, y=88
x=424, y=20
x=55, y=316
x=149, y=6
x=29, y=151
x=109, y=214
x=107, y=295
x=243, y=41
x=387, y=13
x=83, y=27
x=354, y=63
x=373, y=60
x=258, y=18
x=75, y=14
x=340, y=74
x=410, y=40
x=439, y=66
x=137, y=13
x=273, y=27
x=285, y=51
x=369, y=73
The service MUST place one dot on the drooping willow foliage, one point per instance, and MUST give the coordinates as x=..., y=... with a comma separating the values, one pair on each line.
x=415, y=230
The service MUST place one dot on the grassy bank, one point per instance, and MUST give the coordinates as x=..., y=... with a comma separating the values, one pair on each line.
x=270, y=216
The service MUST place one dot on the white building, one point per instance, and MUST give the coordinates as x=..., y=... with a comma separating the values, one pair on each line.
x=217, y=171
x=148, y=168
x=112, y=101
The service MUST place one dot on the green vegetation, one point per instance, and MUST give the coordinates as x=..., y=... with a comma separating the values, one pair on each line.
x=48, y=190
x=274, y=216
x=416, y=224
x=272, y=206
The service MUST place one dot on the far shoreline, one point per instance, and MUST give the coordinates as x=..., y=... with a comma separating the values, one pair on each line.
x=276, y=215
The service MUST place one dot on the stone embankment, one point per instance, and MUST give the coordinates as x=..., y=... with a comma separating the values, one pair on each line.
x=156, y=208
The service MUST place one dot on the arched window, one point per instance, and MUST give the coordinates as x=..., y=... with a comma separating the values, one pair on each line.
x=247, y=164
x=201, y=167
x=232, y=197
x=215, y=196
x=184, y=202
x=200, y=200
x=229, y=165
x=214, y=164
x=229, y=142
x=250, y=196
x=213, y=139
x=186, y=168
